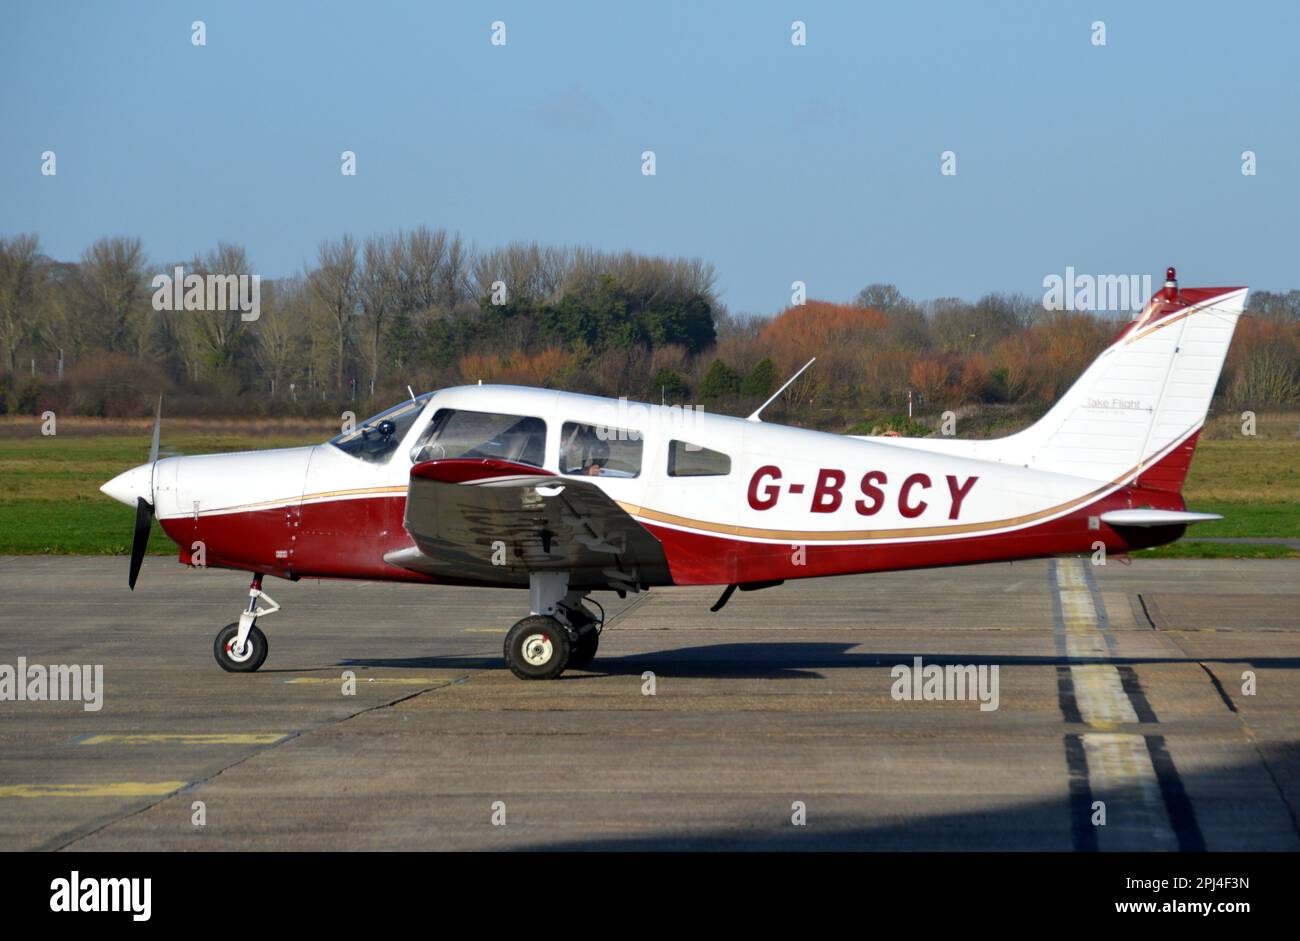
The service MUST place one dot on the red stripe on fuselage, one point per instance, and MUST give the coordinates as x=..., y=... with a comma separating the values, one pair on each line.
x=706, y=559
x=348, y=538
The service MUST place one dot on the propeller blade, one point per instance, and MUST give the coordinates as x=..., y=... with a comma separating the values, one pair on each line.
x=140, y=540
x=143, y=508
x=157, y=428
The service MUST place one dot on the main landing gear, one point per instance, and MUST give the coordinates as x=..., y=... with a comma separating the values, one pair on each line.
x=240, y=647
x=560, y=633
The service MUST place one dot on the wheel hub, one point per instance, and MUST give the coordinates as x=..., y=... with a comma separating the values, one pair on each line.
x=537, y=650
x=236, y=654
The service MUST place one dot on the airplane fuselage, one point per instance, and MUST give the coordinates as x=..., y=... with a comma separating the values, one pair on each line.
x=779, y=503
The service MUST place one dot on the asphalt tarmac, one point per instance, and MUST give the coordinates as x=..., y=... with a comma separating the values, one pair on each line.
x=1162, y=698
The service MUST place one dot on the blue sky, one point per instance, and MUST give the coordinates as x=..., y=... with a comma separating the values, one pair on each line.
x=775, y=163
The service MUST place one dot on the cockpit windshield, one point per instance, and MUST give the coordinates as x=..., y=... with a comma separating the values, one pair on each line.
x=376, y=438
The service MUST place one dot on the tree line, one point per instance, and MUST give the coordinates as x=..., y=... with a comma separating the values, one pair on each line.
x=423, y=308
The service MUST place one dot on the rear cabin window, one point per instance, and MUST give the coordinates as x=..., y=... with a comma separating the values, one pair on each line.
x=461, y=433
x=599, y=450
x=693, y=460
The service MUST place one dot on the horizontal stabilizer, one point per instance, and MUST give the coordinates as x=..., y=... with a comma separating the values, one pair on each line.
x=1156, y=517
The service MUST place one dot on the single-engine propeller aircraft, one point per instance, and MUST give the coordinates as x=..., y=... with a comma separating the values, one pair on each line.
x=568, y=494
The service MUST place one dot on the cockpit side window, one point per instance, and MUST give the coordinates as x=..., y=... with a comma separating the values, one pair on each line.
x=376, y=438
x=461, y=433
x=599, y=450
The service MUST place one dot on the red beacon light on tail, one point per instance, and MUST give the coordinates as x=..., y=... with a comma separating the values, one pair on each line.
x=1171, y=279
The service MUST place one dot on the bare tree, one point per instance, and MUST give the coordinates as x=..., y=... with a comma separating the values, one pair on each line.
x=379, y=285
x=421, y=270
x=518, y=266
x=22, y=269
x=212, y=337
x=882, y=297
x=647, y=280
x=1268, y=377
x=334, y=284
x=59, y=325
x=113, y=290
x=455, y=279
x=281, y=332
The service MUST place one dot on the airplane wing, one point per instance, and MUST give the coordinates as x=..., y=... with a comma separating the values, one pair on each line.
x=485, y=521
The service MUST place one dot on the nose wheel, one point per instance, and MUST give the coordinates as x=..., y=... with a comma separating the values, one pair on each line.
x=235, y=659
x=241, y=647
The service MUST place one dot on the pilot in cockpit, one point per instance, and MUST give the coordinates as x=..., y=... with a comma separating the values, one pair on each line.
x=583, y=452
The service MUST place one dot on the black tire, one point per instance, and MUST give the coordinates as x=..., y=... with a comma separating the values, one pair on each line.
x=548, y=650
x=585, y=651
x=226, y=639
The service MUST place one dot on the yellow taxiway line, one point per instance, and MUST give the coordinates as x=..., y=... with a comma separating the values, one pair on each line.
x=189, y=738
x=116, y=789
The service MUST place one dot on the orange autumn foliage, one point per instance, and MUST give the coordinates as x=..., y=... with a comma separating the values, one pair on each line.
x=518, y=368
x=799, y=333
x=929, y=377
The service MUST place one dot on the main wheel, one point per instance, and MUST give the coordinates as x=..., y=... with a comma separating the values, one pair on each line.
x=537, y=648
x=244, y=661
x=585, y=651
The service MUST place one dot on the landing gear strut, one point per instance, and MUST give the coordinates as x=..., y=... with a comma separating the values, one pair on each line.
x=561, y=632
x=240, y=647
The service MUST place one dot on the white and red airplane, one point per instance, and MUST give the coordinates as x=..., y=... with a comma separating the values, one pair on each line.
x=567, y=494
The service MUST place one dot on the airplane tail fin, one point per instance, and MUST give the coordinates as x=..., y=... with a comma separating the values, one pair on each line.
x=1136, y=412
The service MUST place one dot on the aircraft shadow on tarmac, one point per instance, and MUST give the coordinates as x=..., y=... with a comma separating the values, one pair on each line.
x=1060, y=823
x=1057, y=824
x=785, y=661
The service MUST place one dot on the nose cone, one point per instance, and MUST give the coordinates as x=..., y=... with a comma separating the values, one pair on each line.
x=128, y=485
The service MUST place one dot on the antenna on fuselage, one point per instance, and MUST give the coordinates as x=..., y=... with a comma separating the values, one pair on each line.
x=410, y=390
x=754, y=416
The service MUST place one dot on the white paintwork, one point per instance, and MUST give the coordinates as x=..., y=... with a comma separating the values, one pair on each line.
x=215, y=484
x=130, y=484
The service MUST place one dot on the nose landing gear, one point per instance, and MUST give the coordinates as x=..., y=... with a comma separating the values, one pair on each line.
x=241, y=647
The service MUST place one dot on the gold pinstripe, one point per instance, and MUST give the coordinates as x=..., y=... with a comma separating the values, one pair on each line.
x=305, y=498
